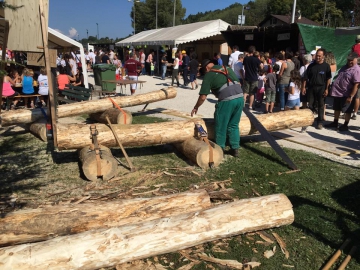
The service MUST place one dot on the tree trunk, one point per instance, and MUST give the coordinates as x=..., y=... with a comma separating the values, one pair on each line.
x=271, y=121
x=115, y=116
x=89, y=164
x=38, y=128
x=107, y=247
x=75, y=136
x=198, y=152
x=44, y=223
x=85, y=107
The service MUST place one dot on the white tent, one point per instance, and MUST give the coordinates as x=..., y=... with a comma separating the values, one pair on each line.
x=176, y=35
x=56, y=40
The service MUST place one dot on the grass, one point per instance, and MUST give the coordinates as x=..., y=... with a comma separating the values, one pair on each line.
x=325, y=194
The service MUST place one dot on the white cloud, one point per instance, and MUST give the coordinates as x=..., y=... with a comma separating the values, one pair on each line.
x=73, y=32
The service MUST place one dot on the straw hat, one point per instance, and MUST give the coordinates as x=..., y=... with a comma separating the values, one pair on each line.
x=357, y=38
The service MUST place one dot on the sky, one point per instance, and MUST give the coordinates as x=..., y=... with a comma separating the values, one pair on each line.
x=112, y=17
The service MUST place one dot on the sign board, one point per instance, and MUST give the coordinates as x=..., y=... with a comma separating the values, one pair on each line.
x=25, y=32
x=241, y=19
x=249, y=37
x=38, y=59
x=284, y=36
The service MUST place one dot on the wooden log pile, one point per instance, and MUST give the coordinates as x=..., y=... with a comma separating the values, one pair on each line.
x=107, y=234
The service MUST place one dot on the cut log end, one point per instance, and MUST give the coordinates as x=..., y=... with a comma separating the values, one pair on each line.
x=115, y=115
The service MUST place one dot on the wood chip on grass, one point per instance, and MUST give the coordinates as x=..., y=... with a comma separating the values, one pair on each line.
x=282, y=245
x=229, y=263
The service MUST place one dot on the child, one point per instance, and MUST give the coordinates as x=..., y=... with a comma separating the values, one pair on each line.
x=270, y=91
x=43, y=86
x=152, y=68
x=293, y=101
x=28, y=86
x=261, y=89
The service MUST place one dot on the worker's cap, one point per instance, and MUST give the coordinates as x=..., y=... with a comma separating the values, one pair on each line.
x=357, y=38
x=204, y=63
x=313, y=52
x=352, y=56
x=183, y=52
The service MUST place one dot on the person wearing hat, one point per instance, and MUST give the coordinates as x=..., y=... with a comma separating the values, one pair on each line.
x=356, y=47
x=344, y=91
x=317, y=80
x=313, y=53
x=224, y=84
x=185, y=65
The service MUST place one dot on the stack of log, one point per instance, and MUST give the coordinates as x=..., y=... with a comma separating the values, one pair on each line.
x=92, y=236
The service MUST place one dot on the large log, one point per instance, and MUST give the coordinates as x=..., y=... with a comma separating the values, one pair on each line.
x=105, y=248
x=92, y=106
x=75, y=136
x=198, y=152
x=44, y=223
x=38, y=128
x=115, y=116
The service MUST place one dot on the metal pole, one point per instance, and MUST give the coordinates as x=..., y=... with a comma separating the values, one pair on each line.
x=156, y=13
x=87, y=33
x=134, y=17
x=242, y=15
x=97, y=26
x=324, y=13
x=293, y=12
x=174, y=12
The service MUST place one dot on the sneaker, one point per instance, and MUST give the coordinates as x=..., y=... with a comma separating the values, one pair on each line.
x=343, y=128
x=12, y=107
x=353, y=117
x=32, y=106
x=234, y=152
x=320, y=126
x=43, y=104
x=332, y=125
x=196, y=87
x=266, y=112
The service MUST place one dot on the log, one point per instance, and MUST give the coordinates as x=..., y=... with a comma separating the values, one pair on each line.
x=271, y=121
x=115, y=115
x=76, y=136
x=85, y=107
x=198, y=152
x=38, y=128
x=44, y=223
x=107, y=247
x=89, y=164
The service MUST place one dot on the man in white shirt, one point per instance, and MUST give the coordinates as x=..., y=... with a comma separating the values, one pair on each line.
x=234, y=56
x=92, y=56
x=111, y=55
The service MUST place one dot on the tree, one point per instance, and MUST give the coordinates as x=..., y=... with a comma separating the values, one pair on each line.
x=280, y=7
x=145, y=14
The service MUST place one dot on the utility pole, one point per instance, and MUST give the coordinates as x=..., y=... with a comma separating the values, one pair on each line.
x=293, y=12
x=174, y=12
x=324, y=13
x=156, y=13
x=87, y=33
x=97, y=26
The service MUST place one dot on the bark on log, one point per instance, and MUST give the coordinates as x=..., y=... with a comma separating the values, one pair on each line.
x=271, y=121
x=89, y=164
x=92, y=106
x=105, y=248
x=41, y=224
x=198, y=152
x=76, y=136
x=38, y=128
x=115, y=115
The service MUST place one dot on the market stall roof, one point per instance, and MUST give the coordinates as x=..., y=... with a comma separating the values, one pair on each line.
x=60, y=40
x=176, y=35
x=347, y=31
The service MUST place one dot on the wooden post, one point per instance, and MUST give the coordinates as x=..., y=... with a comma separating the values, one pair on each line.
x=52, y=111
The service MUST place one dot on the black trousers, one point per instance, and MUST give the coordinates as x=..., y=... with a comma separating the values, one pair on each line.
x=185, y=75
x=315, y=96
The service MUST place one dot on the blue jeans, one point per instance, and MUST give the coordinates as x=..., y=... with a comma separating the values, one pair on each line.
x=163, y=73
x=143, y=71
x=282, y=95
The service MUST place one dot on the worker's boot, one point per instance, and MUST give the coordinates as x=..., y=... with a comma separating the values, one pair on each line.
x=234, y=152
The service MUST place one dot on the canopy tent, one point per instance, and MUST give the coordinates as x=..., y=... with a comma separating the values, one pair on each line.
x=58, y=40
x=176, y=35
x=347, y=31
x=325, y=37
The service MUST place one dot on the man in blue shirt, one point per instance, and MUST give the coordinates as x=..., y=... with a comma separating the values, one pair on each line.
x=219, y=60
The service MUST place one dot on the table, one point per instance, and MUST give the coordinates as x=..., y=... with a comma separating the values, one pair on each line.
x=123, y=82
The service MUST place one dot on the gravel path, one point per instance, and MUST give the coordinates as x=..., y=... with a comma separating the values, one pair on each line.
x=186, y=99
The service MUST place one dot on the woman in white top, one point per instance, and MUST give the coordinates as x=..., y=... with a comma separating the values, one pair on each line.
x=43, y=86
x=293, y=101
x=175, y=73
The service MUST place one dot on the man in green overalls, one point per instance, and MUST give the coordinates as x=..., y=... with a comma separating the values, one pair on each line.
x=224, y=84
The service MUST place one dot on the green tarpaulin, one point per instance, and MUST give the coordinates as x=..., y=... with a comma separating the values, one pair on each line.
x=325, y=37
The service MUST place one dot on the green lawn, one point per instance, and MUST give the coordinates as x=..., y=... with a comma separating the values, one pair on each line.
x=325, y=194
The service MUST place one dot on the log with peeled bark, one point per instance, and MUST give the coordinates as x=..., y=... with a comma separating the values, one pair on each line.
x=107, y=247
x=74, y=136
x=85, y=107
x=38, y=128
x=198, y=152
x=115, y=116
x=271, y=121
x=44, y=223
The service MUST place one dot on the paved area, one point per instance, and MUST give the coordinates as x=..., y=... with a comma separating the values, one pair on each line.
x=186, y=99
